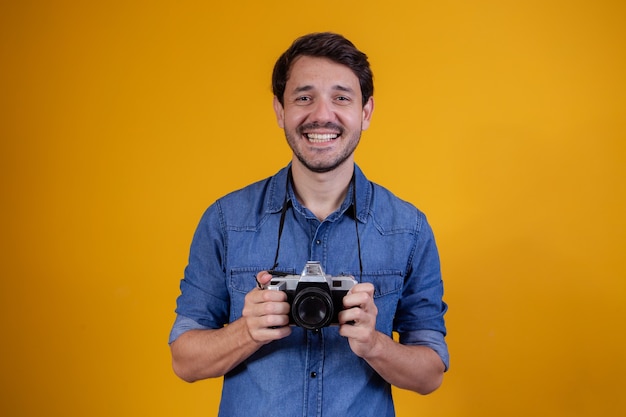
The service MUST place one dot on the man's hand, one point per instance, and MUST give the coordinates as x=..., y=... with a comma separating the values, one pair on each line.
x=210, y=353
x=266, y=312
x=417, y=368
x=358, y=320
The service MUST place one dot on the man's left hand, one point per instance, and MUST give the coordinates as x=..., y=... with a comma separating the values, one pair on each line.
x=358, y=320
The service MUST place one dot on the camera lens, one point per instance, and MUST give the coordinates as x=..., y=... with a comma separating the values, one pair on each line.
x=312, y=308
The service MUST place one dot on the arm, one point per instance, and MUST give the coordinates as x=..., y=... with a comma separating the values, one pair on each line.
x=201, y=354
x=417, y=368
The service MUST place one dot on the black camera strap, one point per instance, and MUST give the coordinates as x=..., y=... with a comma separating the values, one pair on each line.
x=356, y=225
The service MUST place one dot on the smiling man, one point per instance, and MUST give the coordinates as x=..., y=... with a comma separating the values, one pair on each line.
x=242, y=292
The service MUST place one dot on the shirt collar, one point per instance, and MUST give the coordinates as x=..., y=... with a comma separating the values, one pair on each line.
x=278, y=187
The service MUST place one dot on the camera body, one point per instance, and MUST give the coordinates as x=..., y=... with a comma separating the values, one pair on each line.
x=315, y=298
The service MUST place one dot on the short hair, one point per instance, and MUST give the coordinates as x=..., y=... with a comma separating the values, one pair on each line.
x=324, y=45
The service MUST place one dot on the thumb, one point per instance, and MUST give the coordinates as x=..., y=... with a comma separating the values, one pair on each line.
x=263, y=278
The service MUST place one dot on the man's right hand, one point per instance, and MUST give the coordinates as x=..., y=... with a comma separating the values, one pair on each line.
x=266, y=313
x=210, y=353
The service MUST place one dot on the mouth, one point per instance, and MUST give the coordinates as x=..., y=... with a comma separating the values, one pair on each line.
x=317, y=133
x=321, y=137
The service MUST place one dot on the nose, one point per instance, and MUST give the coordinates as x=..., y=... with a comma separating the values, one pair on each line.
x=322, y=112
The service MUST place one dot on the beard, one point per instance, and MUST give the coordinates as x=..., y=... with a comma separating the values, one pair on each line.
x=322, y=161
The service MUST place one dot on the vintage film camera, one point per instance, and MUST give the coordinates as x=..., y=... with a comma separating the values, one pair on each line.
x=315, y=298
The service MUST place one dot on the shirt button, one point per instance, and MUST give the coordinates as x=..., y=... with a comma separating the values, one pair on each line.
x=319, y=242
x=313, y=374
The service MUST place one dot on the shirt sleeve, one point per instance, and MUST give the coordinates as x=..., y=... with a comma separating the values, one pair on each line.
x=421, y=309
x=183, y=324
x=204, y=299
x=432, y=339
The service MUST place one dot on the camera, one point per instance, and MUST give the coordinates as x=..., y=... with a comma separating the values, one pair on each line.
x=315, y=298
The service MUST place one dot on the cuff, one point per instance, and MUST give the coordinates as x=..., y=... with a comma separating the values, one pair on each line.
x=183, y=324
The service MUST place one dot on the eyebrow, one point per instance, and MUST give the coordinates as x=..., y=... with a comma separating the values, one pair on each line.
x=337, y=87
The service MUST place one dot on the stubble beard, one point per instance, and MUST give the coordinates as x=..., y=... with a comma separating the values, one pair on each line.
x=324, y=165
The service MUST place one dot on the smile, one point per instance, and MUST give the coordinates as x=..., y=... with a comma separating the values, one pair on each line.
x=321, y=137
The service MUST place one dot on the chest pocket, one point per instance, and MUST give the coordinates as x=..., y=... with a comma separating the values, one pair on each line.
x=387, y=291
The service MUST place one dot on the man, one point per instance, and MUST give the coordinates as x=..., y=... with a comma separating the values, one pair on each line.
x=319, y=208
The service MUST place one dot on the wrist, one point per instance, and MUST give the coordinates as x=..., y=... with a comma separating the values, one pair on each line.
x=378, y=347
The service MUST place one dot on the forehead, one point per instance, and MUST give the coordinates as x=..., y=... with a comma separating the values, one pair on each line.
x=318, y=72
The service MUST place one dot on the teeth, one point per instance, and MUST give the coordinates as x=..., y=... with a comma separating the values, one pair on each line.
x=321, y=137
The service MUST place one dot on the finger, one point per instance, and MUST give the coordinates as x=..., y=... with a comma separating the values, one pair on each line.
x=274, y=320
x=268, y=334
x=358, y=299
x=347, y=316
x=260, y=303
x=263, y=278
x=271, y=296
x=356, y=315
x=275, y=306
x=365, y=287
x=268, y=328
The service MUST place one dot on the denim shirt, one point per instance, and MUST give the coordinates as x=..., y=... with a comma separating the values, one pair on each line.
x=313, y=373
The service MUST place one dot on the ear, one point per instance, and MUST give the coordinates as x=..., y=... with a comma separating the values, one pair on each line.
x=280, y=113
x=368, y=109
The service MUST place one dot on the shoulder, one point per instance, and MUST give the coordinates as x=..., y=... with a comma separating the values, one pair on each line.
x=247, y=205
x=391, y=213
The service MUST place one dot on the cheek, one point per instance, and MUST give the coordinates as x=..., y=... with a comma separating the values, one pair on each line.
x=351, y=116
x=292, y=120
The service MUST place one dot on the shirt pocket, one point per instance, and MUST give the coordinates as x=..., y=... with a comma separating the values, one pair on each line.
x=387, y=291
x=240, y=282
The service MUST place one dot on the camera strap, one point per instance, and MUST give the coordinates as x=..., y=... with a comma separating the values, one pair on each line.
x=283, y=212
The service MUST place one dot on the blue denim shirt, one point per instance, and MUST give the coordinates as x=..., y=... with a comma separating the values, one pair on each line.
x=313, y=373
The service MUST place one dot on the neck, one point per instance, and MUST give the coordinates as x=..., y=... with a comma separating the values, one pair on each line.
x=322, y=193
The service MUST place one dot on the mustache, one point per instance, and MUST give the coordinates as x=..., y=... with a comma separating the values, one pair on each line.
x=328, y=125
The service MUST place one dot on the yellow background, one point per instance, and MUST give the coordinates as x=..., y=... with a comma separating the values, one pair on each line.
x=121, y=121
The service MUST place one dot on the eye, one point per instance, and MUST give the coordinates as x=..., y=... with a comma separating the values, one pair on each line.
x=302, y=100
x=343, y=99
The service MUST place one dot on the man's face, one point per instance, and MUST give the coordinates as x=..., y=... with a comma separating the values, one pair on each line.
x=323, y=115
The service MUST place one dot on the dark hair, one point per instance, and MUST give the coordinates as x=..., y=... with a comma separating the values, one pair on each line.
x=325, y=45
